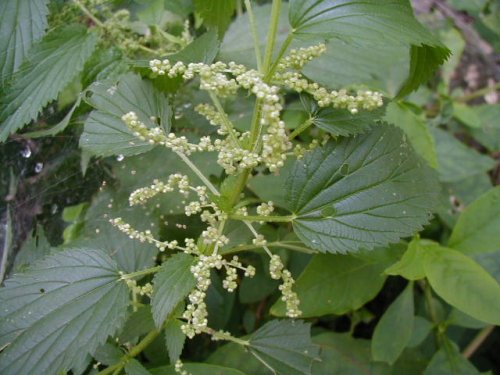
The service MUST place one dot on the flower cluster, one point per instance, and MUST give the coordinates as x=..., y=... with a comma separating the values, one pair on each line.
x=296, y=59
x=142, y=195
x=277, y=271
x=196, y=311
x=144, y=290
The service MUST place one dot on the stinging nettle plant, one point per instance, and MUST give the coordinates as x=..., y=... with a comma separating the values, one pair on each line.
x=344, y=181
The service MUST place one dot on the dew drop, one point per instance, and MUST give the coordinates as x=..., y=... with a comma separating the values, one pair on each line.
x=26, y=152
x=404, y=212
x=38, y=167
x=120, y=157
x=54, y=209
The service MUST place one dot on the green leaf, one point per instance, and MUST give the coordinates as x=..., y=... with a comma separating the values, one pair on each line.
x=35, y=248
x=381, y=67
x=383, y=22
x=284, y=346
x=196, y=369
x=138, y=323
x=23, y=23
x=238, y=43
x=360, y=193
x=108, y=354
x=463, y=283
x=236, y=356
x=449, y=361
x=411, y=265
x=416, y=128
x=466, y=115
x=134, y=367
x=393, y=331
x=171, y=285
x=340, y=121
x=105, y=133
x=456, y=161
x=49, y=67
x=216, y=13
x=421, y=329
x=174, y=339
x=478, y=227
x=424, y=60
x=52, y=320
x=489, y=134
x=362, y=276
x=342, y=354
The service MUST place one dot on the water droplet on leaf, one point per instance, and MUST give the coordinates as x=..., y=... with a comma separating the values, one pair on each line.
x=38, y=167
x=120, y=157
x=26, y=152
x=328, y=211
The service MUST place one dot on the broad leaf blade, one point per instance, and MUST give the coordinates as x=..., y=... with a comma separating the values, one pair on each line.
x=49, y=67
x=360, y=193
x=393, y=331
x=463, y=283
x=389, y=22
x=23, y=23
x=216, y=13
x=53, y=319
x=362, y=276
x=174, y=339
x=104, y=131
x=171, y=285
x=449, y=361
x=196, y=369
x=285, y=346
x=478, y=227
x=416, y=128
x=341, y=122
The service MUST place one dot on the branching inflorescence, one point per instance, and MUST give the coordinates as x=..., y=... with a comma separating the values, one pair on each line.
x=267, y=144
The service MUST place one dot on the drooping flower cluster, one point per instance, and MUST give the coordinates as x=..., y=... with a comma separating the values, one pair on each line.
x=277, y=271
x=196, y=311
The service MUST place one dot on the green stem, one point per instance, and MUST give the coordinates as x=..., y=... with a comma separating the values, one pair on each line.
x=479, y=93
x=299, y=129
x=225, y=119
x=195, y=169
x=271, y=219
x=146, y=271
x=279, y=244
x=430, y=303
x=271, y=37
x=477, y=341
x=281, y=52
x=146, y=49
x=255, y=35
x=87, y=12
x=240, y=185
x=171, y=38
x=134, y=352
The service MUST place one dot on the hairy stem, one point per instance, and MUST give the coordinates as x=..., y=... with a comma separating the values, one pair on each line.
x=195, y=169
x=281, y=52
x=134, y=352
x=271, y=219
x=479, y=93
x=227, y=122
x=271, y=37
x=255, y=35
x=87, y=12
x=477, y=341
x=146, y=271
x=299, y=129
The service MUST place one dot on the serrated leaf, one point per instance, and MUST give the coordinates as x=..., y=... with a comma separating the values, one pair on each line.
x=463, y=283
x=285, y=346
x=138, y=323
x=416, y=128
x=171, y=285
x=216, y=13
x=48, y=68
x=23, y=23
x=35, y=248
x=360, y=193
x=341, y=122
x=362, y=276
x=456, y=161
x=52, y=319
x=478, y=226
x=394, y=329
x=174, y=339
x=382, y=22
x=105, y=133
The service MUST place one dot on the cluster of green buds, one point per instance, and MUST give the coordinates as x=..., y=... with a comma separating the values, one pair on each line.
x=266, y=145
